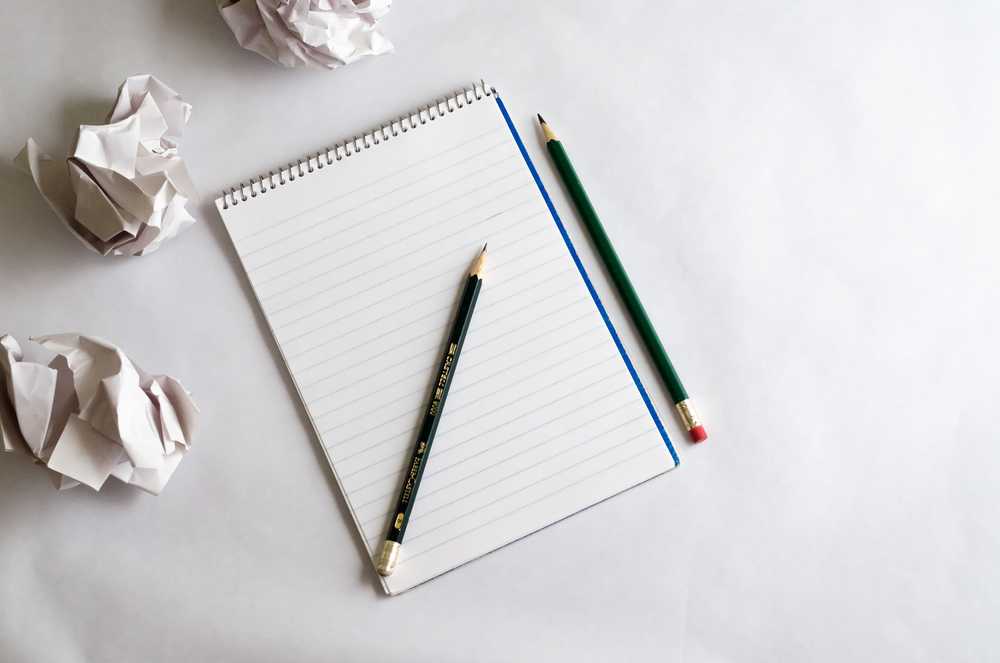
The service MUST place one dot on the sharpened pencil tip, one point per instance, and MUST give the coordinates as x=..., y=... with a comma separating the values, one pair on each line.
x=546, y=129
x=479, y=263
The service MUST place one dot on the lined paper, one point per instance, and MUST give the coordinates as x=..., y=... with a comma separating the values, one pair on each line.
x=358, y=266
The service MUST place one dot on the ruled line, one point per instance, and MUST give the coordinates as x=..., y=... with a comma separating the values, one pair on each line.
x=466, y=247
x=381, y=213
x=339, y=231
x=562, y=470
x=434, y=313
x=429, y=368
x=457, y=265
x=430, y=349
x=467, y=385
x=400, y=239
x=522, y=508
x=561, y=453
x=382, y=196
x=277, y=224
x=355, y=294
x=404, y=292
x=437, y=469
x=367, y=359
x=376, y=251
x=413, y=303
x=518, y=397
x=505, y=390
x=394, y=295
x=461, y=196
x=529, y=341
x=397, y=473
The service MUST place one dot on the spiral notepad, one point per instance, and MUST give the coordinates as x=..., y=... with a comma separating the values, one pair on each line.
x=355, y=254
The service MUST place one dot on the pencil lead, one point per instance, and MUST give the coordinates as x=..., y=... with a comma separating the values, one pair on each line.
x=546, y=129
x=478, y=264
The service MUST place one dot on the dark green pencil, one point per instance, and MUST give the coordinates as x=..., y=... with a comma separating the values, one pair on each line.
x=624, y=286
x=400, y=516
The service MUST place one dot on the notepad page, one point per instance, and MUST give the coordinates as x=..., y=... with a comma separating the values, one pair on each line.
x=358, y=266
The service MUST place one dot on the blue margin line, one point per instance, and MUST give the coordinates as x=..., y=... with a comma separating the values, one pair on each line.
x=586, y=279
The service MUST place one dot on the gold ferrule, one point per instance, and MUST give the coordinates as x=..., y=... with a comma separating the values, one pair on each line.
x=686, y=409
x=387, y=559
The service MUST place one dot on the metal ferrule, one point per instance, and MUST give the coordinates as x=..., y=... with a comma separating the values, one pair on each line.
x=686, y=409
x=387, y=558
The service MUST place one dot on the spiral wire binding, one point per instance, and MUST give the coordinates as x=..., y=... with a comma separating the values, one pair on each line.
x=313, y=162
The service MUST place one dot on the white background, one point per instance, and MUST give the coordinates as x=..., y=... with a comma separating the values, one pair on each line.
x=806, y=195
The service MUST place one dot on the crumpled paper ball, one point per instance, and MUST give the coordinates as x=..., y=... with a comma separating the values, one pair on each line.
x=125, y=188
x=315, y=33
x=91, y=413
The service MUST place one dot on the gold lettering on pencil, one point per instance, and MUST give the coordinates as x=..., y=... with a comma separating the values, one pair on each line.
x=399, y=521
x=449, y=360
x=411, y=477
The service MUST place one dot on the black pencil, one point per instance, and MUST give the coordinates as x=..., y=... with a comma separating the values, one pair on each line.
x=400, y=516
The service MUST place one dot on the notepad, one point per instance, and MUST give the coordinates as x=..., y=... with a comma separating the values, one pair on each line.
x=356, y=255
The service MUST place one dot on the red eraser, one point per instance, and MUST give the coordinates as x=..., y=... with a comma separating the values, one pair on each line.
x=698, y=434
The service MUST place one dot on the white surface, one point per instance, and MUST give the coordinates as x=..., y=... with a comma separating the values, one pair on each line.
x=357, y=267
x=806, y=196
